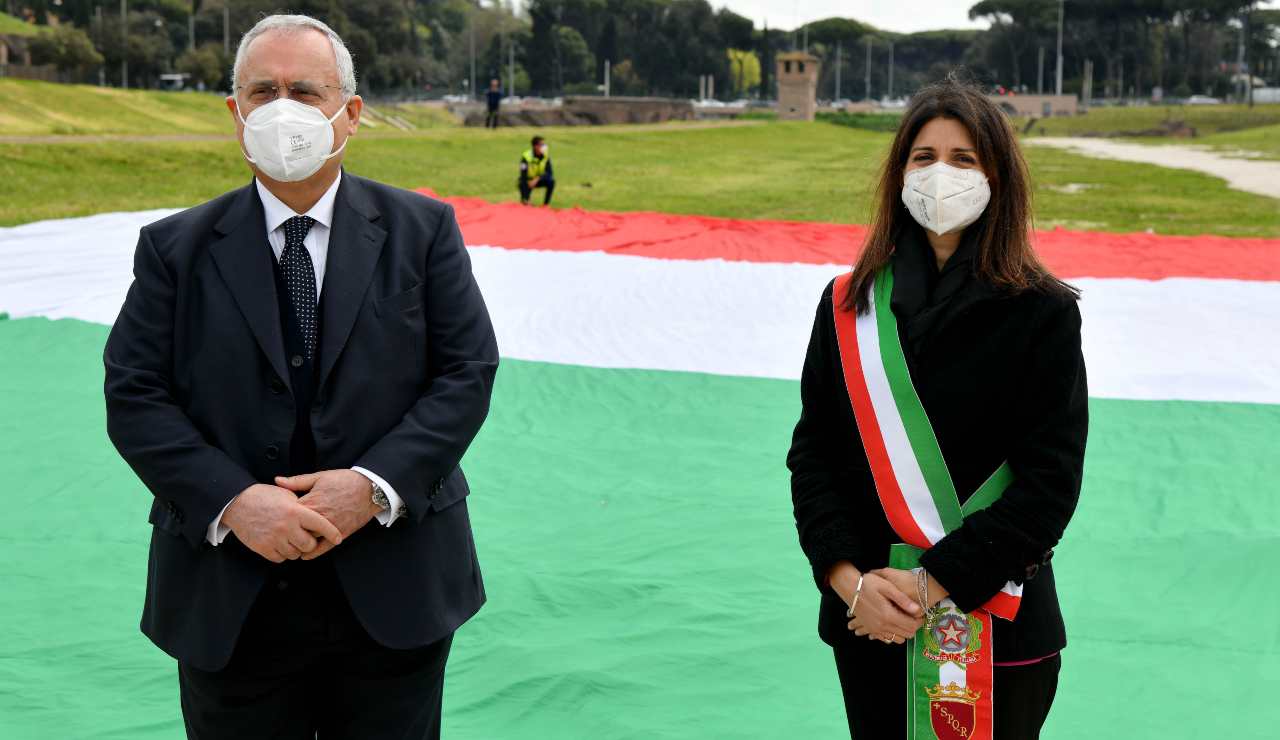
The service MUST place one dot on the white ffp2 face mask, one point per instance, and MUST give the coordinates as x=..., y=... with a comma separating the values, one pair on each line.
x=289, y=141
x=943, y=199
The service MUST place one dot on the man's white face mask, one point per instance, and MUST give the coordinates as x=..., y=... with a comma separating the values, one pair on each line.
x=289, y=141
x=943, y=198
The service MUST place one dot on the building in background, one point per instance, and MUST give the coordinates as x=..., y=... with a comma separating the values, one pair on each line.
x=797, y=85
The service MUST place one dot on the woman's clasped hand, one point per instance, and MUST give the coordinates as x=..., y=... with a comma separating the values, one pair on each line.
x=882, y=610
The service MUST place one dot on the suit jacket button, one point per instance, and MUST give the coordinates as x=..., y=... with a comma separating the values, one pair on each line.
x=277, y=386
x=296, y=360
x=273, y=452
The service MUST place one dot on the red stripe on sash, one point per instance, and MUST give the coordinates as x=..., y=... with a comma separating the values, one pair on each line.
x=1004, y=605
x=979, y=679
x=891, y=498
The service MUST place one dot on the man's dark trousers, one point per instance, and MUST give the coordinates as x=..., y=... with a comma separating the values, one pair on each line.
x=305, y=669
x=526, y=191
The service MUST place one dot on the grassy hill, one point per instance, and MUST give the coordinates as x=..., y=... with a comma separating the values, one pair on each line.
x=1205, y=119
x=16, y=26
x=30, y=108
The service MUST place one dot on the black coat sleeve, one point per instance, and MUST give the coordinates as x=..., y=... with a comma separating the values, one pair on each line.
x=145, y=423
x=429, y=441
x=826, y=467
x=1047, y=445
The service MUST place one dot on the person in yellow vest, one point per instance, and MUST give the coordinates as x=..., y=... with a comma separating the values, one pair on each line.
x=535, y=171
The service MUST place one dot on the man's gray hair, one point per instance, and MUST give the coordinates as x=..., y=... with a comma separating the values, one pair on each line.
x=293, y=24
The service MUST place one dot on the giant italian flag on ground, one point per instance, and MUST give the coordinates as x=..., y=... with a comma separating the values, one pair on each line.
x=630, y=500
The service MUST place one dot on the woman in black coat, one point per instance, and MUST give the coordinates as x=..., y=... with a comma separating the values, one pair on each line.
x=992, y=347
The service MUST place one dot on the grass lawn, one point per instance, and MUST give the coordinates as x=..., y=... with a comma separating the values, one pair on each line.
x=1206, y=119
x=800, y=171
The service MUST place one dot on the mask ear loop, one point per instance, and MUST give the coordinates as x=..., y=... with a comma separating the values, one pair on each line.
x=244, y=123
x=338, y=151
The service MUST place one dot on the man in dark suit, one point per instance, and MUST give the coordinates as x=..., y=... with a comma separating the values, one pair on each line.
x=295, y=374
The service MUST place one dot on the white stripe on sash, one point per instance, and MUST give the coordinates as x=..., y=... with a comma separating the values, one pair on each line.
x=901, y=455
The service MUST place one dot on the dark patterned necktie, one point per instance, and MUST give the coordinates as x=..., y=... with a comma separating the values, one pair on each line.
x=300, y=279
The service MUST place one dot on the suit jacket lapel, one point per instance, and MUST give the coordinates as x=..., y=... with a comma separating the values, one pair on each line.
x=243, y=257
x=355, y=243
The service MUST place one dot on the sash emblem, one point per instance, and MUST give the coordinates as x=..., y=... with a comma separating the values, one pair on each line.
x=952, y=711
x=953, y=637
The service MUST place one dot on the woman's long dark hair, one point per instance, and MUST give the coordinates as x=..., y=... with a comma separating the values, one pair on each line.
x=1005, y=258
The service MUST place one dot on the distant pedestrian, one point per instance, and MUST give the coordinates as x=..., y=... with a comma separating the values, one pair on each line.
x=535, y=171
x=494, y=98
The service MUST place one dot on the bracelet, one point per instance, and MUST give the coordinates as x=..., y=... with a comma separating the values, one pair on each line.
x=856, y=593
x=922, y=586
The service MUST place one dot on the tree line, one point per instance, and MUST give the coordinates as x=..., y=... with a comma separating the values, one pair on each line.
x=426, y=48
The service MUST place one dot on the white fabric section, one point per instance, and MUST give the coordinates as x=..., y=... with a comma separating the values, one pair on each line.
x=906, y=468
x=950, y=672
x=1184, y=338
x=317, y=240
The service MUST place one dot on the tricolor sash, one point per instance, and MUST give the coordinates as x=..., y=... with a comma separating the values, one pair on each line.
x=949, y=661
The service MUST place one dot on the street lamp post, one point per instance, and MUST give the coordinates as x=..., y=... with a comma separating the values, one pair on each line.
x=471, y=35
x=868, y=69
x=1057, y=87
x=124, y=44
x=890, y=94
x=837, y=96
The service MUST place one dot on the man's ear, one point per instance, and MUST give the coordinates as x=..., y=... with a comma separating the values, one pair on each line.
x=355, y=106
x=233, y=107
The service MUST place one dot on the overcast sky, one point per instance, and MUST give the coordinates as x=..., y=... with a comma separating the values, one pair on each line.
x=903, y=16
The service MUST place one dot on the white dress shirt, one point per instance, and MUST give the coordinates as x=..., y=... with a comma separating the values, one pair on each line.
x=317, y=244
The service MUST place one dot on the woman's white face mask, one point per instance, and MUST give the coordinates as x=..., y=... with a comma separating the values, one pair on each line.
x=289, y=141
x=943, y=199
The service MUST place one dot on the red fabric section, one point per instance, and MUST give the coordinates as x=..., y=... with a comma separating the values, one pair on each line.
x=1068, y=253
x=1004, y=605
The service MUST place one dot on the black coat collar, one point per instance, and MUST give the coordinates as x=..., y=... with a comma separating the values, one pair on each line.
x=927, y=300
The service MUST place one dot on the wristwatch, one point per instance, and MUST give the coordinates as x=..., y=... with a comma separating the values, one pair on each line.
x=380, y=499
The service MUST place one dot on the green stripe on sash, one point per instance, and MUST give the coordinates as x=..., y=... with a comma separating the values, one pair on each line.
x=989, y=491
x=914, y=419
x=921, y=673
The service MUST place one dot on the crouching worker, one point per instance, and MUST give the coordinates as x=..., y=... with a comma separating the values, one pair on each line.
x=535, y=172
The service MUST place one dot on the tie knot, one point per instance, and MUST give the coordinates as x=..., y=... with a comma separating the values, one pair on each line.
x=296, y=228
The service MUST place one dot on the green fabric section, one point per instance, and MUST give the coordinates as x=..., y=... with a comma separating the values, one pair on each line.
x=636, y=535
x=914, y=419
x=989, y=491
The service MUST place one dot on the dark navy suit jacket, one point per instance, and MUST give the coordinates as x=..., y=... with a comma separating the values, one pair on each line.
x=200, y=405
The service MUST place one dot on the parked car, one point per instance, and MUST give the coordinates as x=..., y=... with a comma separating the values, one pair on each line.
x=1203, y=100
